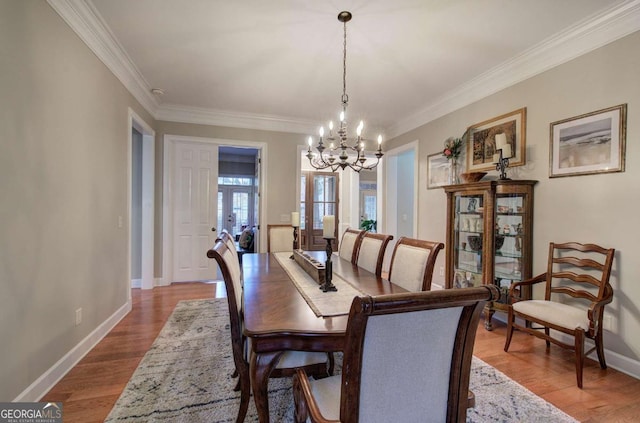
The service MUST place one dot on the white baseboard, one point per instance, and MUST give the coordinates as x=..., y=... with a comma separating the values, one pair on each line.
x=136, y=283
x=46, y=381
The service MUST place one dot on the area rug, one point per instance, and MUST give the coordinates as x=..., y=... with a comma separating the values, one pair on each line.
x=186, y=377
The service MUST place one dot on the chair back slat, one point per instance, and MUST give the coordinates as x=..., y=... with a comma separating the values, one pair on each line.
x=224, y=257
x=279, y=238
x=412, y=263
x=408, y=356
x=350, y=244
x=371, y=253
x=578, y=262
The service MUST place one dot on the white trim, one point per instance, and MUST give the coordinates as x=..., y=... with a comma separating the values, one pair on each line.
x=593, y=32
x=167, y=217
x=187, y=114
x=51, y=377
x=148, y=206
x=136, y=283
x=589, y=34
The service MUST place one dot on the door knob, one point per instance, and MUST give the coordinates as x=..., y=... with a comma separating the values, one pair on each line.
x=213, y=229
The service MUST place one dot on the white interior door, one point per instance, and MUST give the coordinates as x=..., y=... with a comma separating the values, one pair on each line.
x=195, y=189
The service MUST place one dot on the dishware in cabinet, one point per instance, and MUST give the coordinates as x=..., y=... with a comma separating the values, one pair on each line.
x=489, y=236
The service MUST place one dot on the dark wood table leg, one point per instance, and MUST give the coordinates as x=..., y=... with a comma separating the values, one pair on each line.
x=261, y=366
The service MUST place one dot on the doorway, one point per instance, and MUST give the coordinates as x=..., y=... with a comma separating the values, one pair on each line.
x=238, y=169
x=190, y=203
x=318, y=198
x=141, y=203
x=401, y=191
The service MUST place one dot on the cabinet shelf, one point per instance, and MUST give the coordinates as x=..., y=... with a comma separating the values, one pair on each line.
x=511, y=206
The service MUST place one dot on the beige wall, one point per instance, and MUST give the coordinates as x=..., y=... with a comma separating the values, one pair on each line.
x=593, y=208
x=63, y=173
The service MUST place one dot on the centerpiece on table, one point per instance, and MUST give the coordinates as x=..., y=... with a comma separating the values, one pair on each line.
x=452, y=150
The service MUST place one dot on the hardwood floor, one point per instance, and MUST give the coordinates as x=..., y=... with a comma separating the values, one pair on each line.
x=92, y=387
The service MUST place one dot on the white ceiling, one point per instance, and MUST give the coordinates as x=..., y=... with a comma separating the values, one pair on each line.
x=278, y=64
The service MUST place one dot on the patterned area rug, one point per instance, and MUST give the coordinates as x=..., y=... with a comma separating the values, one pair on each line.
x=186, y=377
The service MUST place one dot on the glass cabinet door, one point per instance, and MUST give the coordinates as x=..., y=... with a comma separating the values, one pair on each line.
x=468, y=239
x=509, y=232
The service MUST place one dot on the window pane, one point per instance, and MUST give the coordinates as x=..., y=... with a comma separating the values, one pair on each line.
x=220, y=212
x=240, y=210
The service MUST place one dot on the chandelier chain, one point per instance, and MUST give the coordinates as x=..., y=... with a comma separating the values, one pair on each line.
x=345, y=97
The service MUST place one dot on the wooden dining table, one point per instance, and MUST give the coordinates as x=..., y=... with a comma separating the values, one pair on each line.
x=277, y=317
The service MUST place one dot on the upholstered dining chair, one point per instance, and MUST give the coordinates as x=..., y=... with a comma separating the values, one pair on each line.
x=576, y=290
x=407, y=358
x=371, y=252
x=314, y=362
x=412, y=263
x=350, y=244
x=279, y=238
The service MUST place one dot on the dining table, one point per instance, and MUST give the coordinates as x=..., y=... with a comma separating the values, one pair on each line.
x=278, y=316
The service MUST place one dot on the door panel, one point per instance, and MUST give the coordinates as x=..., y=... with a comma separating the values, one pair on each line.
x=196, y=170
x=320, y=198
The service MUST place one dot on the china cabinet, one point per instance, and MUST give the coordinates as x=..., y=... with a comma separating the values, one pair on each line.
x=489, y=236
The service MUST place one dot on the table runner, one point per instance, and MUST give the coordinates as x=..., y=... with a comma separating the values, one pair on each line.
x=323, y=304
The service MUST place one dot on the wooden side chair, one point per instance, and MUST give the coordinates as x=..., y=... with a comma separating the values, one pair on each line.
x=279, y=238
x=371, y=252
x=576, y=291
x=314, y=362
x=407, y=358
x=350, y=244
x=412, y=263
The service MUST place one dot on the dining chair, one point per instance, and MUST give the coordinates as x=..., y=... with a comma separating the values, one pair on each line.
x=407, y=358
x=350, y=244
x=314, y=362
x=412, y=263
x=279, y=238
x=576, y=290
x=371, y=252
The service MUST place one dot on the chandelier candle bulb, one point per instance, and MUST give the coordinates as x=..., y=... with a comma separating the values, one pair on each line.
x=328, y=226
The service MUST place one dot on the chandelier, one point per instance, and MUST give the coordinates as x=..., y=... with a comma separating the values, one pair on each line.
x=336, y=156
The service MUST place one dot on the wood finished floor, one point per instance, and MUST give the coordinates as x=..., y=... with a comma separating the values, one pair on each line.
x=92, y=387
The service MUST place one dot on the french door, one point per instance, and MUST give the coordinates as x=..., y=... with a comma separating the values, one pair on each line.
x=235, y=208
x=318, y=198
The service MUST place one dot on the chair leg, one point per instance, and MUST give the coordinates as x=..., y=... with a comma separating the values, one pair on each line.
x=579, y=347
x=546, y=332
x=244, y=382
x=509, y=329
x=600, y=349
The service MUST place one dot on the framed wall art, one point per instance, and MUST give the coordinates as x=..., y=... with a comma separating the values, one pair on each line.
x=589, y=143
x=481, y=145
x=437, y=170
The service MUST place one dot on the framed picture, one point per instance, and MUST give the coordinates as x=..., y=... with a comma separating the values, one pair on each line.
x=481, y=144
x=437, y=170
x=589, y=143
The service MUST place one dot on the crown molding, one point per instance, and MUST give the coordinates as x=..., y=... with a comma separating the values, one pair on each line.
x=204, y=116
x=87, y=23
x=594, y=32
x=581, y=38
